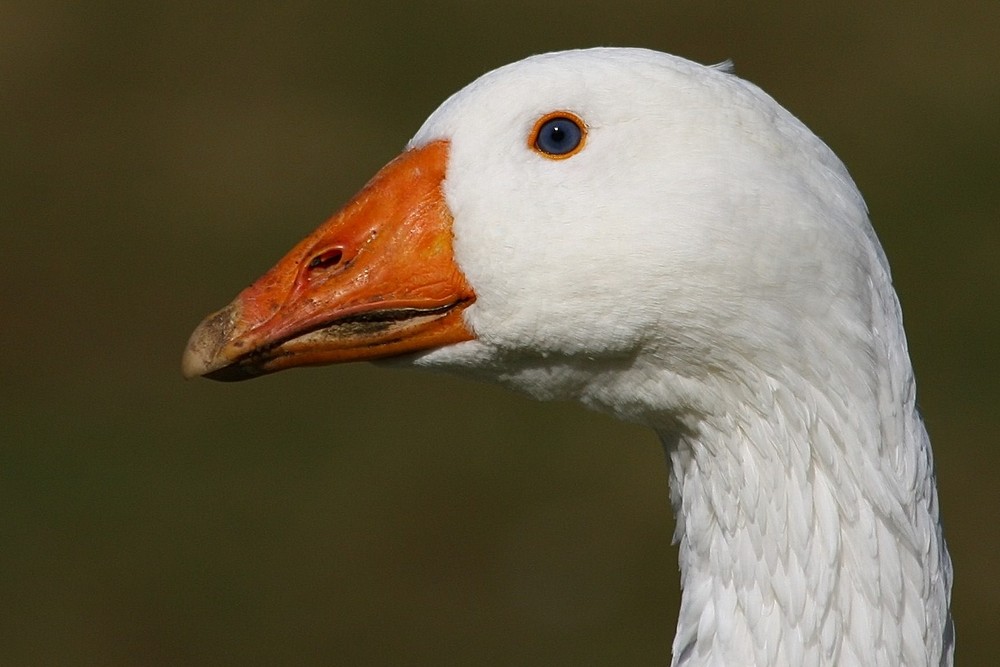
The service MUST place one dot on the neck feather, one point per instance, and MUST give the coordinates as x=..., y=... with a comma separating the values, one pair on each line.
x=808, y=532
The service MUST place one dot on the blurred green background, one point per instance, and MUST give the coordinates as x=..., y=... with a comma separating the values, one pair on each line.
x=156, y=157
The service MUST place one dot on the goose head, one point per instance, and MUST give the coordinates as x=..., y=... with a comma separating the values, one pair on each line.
x=616, y=226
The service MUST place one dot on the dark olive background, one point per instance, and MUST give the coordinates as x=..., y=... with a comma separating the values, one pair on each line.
x=156, y=157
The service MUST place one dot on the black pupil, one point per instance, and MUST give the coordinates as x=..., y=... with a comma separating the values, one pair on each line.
x=558, y=136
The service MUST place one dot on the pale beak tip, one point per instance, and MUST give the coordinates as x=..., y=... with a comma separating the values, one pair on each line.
x=193, y=364
x=206, y=349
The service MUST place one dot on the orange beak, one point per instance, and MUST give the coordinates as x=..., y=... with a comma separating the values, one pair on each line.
x=378, y=279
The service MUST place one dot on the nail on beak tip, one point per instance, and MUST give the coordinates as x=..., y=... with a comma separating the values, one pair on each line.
x=206, y=351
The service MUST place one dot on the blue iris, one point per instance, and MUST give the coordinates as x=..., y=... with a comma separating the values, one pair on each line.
x=558, y=136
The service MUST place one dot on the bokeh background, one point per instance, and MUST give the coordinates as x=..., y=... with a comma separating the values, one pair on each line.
x=156, y=157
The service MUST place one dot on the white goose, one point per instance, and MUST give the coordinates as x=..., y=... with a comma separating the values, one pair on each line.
x=661, y=241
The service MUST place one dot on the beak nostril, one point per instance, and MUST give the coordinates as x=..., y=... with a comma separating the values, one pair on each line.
x=327, y=259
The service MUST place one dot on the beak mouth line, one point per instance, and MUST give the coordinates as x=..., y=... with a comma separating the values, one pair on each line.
x=354, y=335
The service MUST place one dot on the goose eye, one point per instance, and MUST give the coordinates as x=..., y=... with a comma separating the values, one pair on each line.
x=558, y=135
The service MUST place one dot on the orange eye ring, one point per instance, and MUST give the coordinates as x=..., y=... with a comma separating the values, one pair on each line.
x=561, y=126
